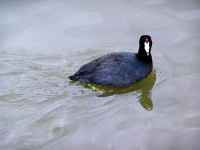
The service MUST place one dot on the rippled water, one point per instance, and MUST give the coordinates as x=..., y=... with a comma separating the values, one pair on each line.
x=42, y=42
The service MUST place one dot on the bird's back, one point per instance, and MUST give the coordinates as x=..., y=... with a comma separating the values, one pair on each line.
x=117, y=69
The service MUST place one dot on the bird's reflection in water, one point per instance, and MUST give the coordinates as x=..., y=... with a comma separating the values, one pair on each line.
x=143, y=87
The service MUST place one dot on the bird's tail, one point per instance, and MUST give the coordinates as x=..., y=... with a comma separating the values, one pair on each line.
x=73, y=78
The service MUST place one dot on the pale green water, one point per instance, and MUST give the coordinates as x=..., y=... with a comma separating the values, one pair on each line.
x=144, y=88
x=45, y=41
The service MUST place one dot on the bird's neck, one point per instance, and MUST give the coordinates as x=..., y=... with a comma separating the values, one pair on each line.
x=142, y=55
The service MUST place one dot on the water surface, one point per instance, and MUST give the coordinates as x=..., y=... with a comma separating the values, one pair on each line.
x=42, y=42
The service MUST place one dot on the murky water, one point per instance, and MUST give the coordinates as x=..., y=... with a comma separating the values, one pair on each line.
x=42, y=42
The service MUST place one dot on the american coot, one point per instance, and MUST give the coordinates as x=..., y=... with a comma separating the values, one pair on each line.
x=118, y=69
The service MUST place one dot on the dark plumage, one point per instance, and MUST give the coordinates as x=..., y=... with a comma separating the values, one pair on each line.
x=118, y=69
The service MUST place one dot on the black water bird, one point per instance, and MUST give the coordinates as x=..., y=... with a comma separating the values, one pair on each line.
x=118, y=69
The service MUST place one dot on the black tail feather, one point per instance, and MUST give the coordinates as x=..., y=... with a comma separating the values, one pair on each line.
x=73, y=78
